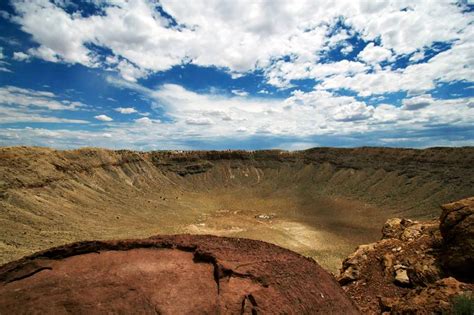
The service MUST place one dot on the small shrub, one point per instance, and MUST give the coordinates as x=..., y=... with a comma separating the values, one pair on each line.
x=463, y=304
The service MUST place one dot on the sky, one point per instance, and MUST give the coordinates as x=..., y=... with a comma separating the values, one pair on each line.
x=222, y=74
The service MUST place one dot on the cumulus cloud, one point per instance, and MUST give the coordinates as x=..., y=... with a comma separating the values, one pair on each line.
x=20, y=56
x=347, y=49
x=451, y=65
x=303, y=114
x=130, y=72
x=417, y=102
x=313, y=115
x=103, y=118
x=126, y=110
x=281, y=73
x=353, y=112
x=144, y=121
x=284, y=41
x=417, y=56
x=374, y=54
x=241, y=36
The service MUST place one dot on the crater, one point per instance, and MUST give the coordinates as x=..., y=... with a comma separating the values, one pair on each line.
x=321, y=202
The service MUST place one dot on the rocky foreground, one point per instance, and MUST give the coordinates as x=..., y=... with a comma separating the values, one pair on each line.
x=417, y=267
x=180, y=274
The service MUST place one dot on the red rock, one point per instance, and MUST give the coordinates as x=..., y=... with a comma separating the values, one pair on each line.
x=170, y=275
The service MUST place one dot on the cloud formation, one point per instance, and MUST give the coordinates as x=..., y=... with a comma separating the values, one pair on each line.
x=103, y=117
x=317, y=70
x=303, y=114
x=20, y=97
x=126, y=110
x=243, y=36
x=20, y=56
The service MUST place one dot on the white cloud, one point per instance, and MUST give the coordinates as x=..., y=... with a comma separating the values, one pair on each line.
x=126, y=110
x=103, y=118
x=130, y=72
x=353, y=111
x=3, y=64
x=15, y=96
x=281, y=73
x=17, y=115
x=201, y=117
x=417, y=56
x=4, y=69
x=144, y=121
x=240, y=93
x=347, y=49
x=417, y=102
x=451, y=65
x=374, y=54
x=405, y=31
x=303, y=114
x=199, y=121
x=239, y=36
x=45, y=53
x=27, y=105
x=20, y=56
x=286, y=41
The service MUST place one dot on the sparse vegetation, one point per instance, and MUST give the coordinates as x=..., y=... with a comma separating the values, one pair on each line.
x=463, y=304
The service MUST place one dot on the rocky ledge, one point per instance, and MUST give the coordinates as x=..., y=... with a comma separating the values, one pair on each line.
x=417, y=267
x=181, y=274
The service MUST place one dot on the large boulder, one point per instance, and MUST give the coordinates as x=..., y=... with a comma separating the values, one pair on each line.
x=180, y=274
x=457, y=229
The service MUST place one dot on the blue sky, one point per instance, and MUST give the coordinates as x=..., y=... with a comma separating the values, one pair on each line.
x=236, y=74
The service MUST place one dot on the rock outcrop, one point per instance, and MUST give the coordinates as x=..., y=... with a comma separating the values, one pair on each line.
x=457, y=228
x=417, y=267
x=180, y=274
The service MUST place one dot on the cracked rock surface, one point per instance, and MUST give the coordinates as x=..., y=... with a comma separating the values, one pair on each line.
x=181, y=274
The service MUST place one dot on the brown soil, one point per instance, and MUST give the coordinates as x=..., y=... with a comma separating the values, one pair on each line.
x=322, y=202
x=170, y=275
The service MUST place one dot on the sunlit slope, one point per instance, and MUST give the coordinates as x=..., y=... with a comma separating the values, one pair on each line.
x=320, y=202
